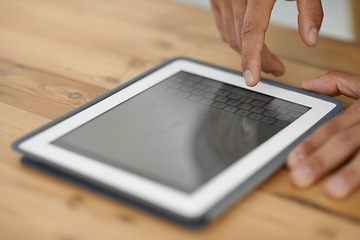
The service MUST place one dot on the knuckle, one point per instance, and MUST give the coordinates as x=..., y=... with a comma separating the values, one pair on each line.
x=246, y=56
x=252, y=38
x=248, y=29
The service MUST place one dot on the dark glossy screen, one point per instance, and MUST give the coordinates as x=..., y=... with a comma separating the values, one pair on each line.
x=182, y=131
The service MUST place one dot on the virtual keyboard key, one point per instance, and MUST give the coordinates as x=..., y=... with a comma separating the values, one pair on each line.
x=282, y=110
x=280, y=102
x=211, y=89
x=258, y=103
x=233, y=103
x=268, y=120
x=281, y=124
x=294, y=114
x=221, y=99
x=245, y=106
x=210, y=95
x=255, y=116
x=246, y=100
x=218, y=105
x=207, y=101
x=231, y=109
x=234, y=96
x=243, y=112
x=269, y=113
x=223, y=92
x=283, y=117
x=257, y=110
x=270, y=106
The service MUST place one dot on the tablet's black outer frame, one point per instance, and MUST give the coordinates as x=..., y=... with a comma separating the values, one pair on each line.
x=194, y=223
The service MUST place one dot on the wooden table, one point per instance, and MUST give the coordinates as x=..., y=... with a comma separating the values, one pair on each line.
x=57, y=55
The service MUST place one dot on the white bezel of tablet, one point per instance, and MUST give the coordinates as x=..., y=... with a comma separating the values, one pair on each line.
x=206, y=196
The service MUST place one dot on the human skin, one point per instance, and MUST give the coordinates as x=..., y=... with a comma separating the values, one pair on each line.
x=243, y=24
x=335, y=144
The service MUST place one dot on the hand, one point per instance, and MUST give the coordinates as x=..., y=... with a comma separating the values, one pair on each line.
x=243, y=23
x=336, y=143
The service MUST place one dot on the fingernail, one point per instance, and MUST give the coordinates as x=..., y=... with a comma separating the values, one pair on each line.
x=297, y=157
x=313, y=36
x=302, y=176
x=248, y=77
x=337, y=187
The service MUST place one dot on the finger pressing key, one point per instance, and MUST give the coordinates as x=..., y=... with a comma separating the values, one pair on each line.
x=256, y=22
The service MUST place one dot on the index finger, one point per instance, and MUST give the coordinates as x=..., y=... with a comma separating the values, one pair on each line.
x=256, y=22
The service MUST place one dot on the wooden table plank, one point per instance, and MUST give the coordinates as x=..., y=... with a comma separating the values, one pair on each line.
x=313, y=197
x=330, y=54
x=56, y=55
x=102, y=62
x=41, y=93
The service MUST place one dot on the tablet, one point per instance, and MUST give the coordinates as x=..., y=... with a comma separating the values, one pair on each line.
x=186, y=139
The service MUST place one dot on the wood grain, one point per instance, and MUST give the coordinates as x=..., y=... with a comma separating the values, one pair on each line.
x=284, y=42
x=57, y=55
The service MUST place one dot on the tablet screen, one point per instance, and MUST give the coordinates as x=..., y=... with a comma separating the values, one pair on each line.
x=182, y=131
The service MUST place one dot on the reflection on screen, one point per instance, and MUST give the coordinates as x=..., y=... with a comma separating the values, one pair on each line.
x=182, y=131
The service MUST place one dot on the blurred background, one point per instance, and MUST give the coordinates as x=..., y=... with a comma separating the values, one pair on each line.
x=340, y=22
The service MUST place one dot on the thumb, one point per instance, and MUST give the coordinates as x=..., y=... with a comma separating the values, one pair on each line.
x=334, y=84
